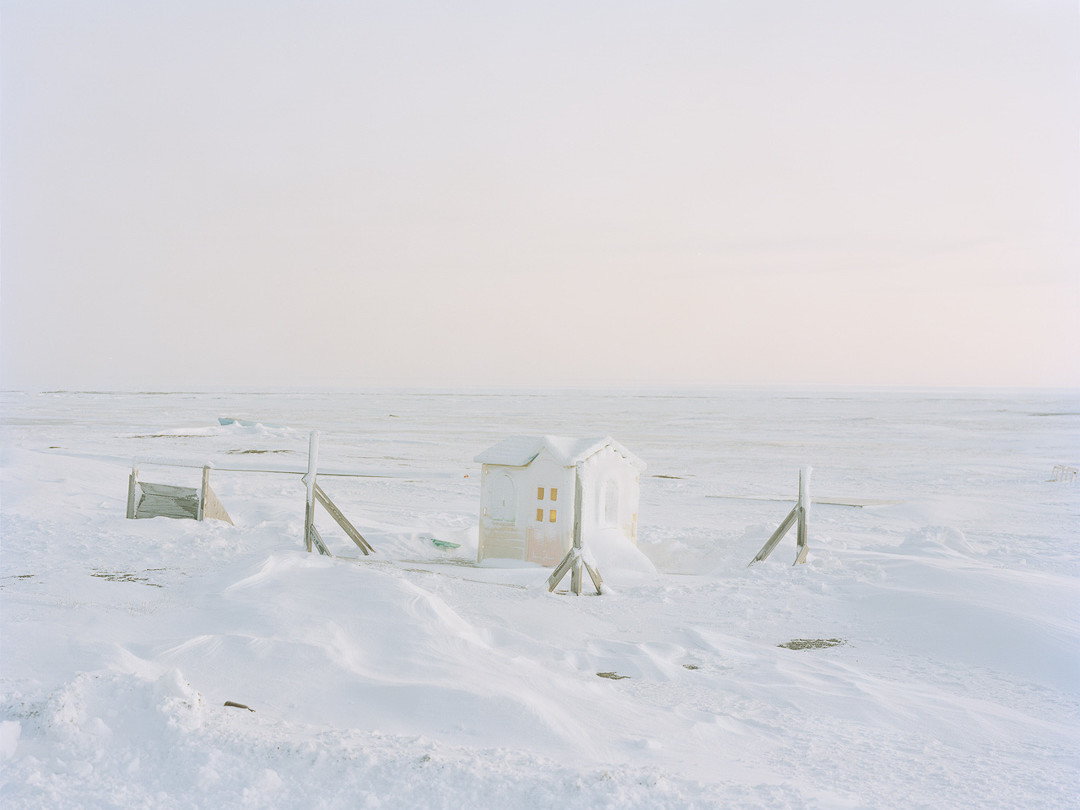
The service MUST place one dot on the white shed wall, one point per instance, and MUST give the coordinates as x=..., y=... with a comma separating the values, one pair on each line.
x=542, y=493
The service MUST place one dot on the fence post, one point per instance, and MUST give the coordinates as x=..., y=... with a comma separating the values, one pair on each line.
x=309, y=480
x=201, y=513
x=575, y=559
x=575, y=566
x=804, y=509
x=132, y=483
x=796, y=516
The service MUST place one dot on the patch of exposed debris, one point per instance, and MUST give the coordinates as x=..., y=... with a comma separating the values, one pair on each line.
x=812, y=643
x=126, y=576
x=24, y=577
x=163, y=436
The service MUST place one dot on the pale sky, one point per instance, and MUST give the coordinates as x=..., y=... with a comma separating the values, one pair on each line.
x=267, y=194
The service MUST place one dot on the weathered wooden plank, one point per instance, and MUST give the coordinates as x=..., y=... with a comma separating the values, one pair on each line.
x=316, y=539
x=804, y=511
x=309, y=482
x=202, y=492
x=169, y=490
x=342, y=521
x=560, y=571
x=777, y=536
x=132, y=481
x=800, y=555
x=164, y=500
x=575, y=564
x=308, y=526
x=579, y=497
x=213, y=508
x=594, y=575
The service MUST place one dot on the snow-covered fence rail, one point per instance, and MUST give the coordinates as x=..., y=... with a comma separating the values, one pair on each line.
x=1063, y=473
x=153, y=500
x=146, y=500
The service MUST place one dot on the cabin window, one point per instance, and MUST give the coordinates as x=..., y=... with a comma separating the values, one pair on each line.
x=551, y=516
x=554, y=494
x=539, y=493
x=540, y=515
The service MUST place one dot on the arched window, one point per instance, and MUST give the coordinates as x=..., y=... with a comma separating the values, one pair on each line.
x=502, y=501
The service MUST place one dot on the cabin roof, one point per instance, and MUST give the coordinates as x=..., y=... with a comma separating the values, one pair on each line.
x=519, y=451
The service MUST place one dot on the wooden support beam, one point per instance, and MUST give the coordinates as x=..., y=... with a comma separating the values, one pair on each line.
x=575, y=575
x=314, y=538
x=560, y=571
x=797, y=515
x=777, y=536
x=594, y=575
x=342, y=521
x=574, y=560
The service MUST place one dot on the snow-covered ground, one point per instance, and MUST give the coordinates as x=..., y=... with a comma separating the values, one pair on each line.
x=415, y=678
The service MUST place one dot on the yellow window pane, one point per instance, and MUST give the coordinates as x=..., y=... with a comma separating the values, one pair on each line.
x=540, y=515
x=539, y=493
x=551, y=516
x=554, y=494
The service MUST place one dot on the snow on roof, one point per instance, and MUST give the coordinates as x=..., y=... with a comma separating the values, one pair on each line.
x=519, y=451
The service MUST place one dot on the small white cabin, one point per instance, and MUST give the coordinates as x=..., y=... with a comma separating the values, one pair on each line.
x=527, y=496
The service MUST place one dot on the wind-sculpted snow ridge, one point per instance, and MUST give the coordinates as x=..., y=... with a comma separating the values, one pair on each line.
x=119, y=740
x=366, y=648
x=927, y=655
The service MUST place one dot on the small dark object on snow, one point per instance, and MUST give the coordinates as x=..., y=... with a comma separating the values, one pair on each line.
x=238, y=705
x=691, y=666
x=812, y=643
x=614, y=676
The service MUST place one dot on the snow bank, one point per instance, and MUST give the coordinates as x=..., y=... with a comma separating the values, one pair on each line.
x=416, y=678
